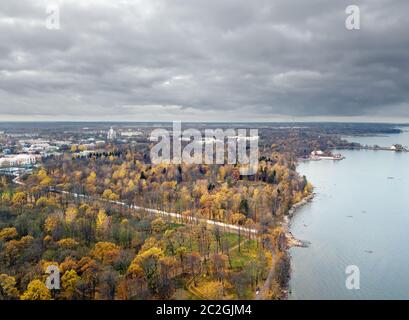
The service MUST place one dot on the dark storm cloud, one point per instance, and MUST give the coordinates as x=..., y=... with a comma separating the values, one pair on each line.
x=203, y=60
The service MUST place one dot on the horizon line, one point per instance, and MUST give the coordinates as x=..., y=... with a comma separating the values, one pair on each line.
x=208, y=121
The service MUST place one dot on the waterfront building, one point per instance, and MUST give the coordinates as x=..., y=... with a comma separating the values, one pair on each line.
x=397, y=147
x=321, y=155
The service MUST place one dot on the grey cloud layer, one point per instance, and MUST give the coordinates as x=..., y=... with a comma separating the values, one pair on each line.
x=203, y=59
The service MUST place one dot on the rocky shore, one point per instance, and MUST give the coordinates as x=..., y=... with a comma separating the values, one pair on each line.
x=298, y=205
x=291, y=241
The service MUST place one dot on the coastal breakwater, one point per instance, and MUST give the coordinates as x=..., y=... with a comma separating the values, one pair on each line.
x=374, y=148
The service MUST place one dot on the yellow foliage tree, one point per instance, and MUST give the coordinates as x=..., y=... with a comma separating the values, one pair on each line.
x=308, y=189
x=107, y=193
x=46, y=182
x=148, y=261
x=68, y=243
x=158, y=225
x=19, y=199
x=69, y=282
x=92, y=178
x=5, y=197
x=70, y=214
x=131, y=185
x=42, y=173
x=212, y=290
x=107, y=252
x=42, y=202
x=68, y=264
x=8, y=233
x=114, y=197
x=51, y=222
x=8, y=290
x=102, y=221
x=36, y=290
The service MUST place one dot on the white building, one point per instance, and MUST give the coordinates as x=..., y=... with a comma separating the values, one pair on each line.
x=130, y=134
x=18, y=160
x=397, y=147
x=100, y=143
x=111, y=134
x=317, y=153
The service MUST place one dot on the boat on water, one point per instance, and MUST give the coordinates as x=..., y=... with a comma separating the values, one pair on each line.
x=321, y=155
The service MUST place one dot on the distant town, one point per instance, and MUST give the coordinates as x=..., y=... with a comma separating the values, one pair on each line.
x=22, y=151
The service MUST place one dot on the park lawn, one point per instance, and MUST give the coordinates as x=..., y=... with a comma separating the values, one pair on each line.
x=174, y=226
x=249, y=252
x=231, y=238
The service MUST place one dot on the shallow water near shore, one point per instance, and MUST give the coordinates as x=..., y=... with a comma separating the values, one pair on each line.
x=360, y=216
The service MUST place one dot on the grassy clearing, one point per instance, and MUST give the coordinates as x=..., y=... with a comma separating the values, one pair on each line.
x=249, y=252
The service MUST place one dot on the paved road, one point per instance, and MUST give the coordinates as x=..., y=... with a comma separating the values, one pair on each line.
x=263, y=294
x=190, y=219
x=230, y=227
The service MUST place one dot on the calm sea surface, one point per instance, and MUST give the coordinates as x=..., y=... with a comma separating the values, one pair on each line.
x=360, y=217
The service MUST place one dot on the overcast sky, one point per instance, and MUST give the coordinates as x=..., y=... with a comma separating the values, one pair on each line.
x=217, y=60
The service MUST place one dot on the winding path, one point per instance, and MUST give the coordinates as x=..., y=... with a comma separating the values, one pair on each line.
x=189, y=219
x=263, y=294
x=230, y=227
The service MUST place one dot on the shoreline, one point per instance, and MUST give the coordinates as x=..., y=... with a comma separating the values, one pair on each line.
x=291, y=241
